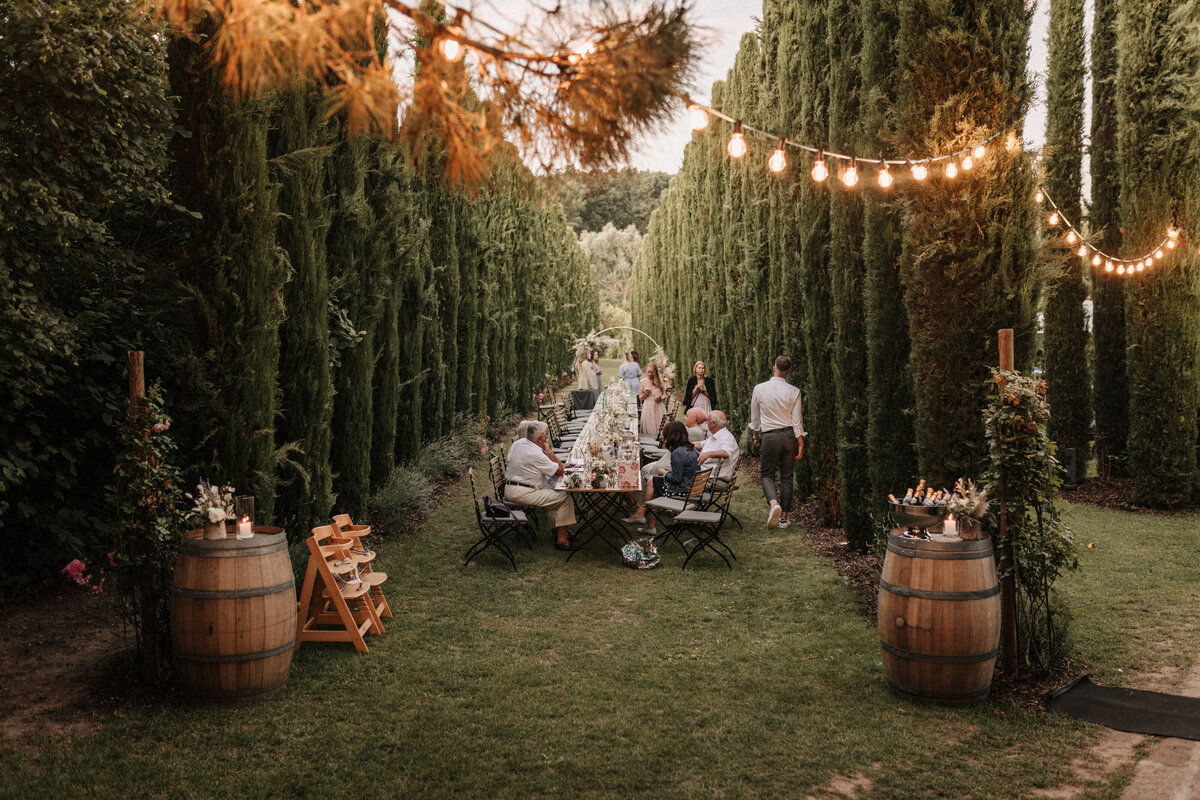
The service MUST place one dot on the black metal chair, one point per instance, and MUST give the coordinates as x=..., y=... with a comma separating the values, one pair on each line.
x=705, y=527
x=678, y=504
x=494, y=529
x=497, y=474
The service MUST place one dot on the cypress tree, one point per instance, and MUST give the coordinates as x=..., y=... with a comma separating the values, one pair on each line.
x=232, y=277
x=847, y=268
x=889, y=379
x=966, y=251
x=1155, y=66
x=820, y=412
x=1108, y=291
x=300, y=145
x=1068, y=384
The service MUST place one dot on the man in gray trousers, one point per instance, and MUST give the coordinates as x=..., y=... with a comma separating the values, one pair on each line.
x=778, y=429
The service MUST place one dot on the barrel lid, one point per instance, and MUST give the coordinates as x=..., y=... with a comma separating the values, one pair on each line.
x=263, y=535
x=938, y=545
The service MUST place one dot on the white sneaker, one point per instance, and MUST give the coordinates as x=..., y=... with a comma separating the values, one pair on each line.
x=648, y=531
x=783, y=523
x=773, y=517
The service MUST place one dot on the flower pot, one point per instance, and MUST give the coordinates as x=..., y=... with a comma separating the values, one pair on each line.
x=214, y=530
x=970, y=529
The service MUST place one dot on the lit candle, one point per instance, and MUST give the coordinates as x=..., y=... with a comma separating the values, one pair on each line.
x=244, y=529
x=950, y=528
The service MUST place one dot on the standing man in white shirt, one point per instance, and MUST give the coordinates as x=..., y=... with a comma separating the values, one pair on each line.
x=778, y=429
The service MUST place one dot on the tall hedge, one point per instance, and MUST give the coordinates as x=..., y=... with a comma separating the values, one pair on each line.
x=1111, y=389
x=1156, y=64
x=1068, y=381
x=892, y=459
x=967, y=261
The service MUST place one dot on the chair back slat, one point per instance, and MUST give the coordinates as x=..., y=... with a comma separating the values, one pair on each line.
x=699, y=481
x=714, y=472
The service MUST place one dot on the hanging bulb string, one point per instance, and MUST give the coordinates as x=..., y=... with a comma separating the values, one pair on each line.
x=886, y=162
x=1149, y=257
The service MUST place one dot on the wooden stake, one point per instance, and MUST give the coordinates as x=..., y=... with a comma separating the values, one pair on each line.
x=137, y=376
x=1008, y=557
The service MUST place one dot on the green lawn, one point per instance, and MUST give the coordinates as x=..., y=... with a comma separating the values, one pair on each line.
x=591, y=679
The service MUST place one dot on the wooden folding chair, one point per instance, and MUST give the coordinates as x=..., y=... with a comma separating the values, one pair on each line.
x=346, y=529
x=706, y=529
x=677, y=504
x=335, y=603
x=494, y=529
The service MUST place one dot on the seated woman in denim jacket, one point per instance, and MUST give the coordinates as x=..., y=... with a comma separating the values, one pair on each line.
x=676, y=480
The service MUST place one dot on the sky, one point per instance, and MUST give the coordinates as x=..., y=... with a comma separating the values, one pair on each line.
x=725, y=23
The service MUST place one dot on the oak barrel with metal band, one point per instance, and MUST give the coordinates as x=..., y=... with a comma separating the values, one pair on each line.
x=939, y=618
x=233, y=615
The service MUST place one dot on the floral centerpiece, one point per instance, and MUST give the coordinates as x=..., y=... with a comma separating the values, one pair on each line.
x=213, y=506
x=968, y=503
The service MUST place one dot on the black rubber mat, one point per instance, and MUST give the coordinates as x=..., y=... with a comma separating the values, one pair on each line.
x=1130, y=710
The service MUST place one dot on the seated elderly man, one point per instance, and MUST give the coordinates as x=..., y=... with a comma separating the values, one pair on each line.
x=694, y=420
x=720, y=443
x=530, y=464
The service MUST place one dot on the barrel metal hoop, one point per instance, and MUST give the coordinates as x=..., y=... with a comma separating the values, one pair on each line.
x=192, y=550
x=234, y=658
x=230, y=594
x=973, y=658
x=962, y=697
x=942, y=555
x=244, y=694
x=929, y=594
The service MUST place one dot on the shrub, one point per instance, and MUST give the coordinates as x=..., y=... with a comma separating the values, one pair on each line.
x=443, y=458
x=403, y=501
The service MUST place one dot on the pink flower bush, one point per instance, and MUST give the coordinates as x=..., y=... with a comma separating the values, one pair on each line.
x=160, y=427
x=76, y=570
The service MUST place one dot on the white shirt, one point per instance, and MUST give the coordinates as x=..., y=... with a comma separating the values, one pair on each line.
x=723, y=440
x=775, y=404
x=529, y=464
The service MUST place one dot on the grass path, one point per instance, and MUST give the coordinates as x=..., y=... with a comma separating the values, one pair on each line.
x=589, y=679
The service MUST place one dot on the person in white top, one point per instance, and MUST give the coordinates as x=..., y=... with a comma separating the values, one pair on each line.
x=530, y=462
x=720, y=443
x=778, y=426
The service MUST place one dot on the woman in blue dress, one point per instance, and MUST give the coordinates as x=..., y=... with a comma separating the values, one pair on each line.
x=629, y=371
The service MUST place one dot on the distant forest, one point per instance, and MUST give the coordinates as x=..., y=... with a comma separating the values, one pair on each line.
x=623, y=197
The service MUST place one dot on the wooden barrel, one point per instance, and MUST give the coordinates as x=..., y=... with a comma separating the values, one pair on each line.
x=939, y=619
x=233, y=615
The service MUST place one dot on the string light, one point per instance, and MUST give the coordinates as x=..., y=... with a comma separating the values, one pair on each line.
x=1158, y=253
x=1038, y=196
x=737, y=143
x=1053, y=218
x=698, y=116
x=1171, y=243
x=1096, y=260
x=778, y=160
x=1141, y=267
x=951, y=170
x=967, y=163
x=978, y=152
x=1071, y=237
x=1108, y=266
x=850, y=176
x=1082, y=251
x=1121, y=270
x=1173, y=233
x=885, y=178
x=920, y=172
x=819, y=171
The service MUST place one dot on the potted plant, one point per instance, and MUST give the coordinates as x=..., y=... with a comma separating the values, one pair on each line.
x=213, y=506
x=968, y=503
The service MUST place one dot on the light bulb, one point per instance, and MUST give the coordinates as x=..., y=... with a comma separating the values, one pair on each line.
x=1171, y=243
x=850, y=176
x=1053, y=218
x=920, y=172
x=1096, y=260
x=1173, y=233
x=1071, y=237
x=968, y=162
x=951, y=170
x=1108, y=266
x=1121, y=270
x=1082, y=251
x=777, y=161
x=1158, y=253
x=819, y=171
x=885, y=178
x=1038, y=196
x=978, y=151
x=1141, y=267
x=452, y=49
x=737, y=145
x=698, y=116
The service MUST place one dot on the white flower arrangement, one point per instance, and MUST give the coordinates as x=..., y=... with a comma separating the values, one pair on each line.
x=967, y=500
x=593, y=341
x=213, y=504
x=666, y=369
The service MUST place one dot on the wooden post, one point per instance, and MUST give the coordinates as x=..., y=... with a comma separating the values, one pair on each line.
x=137, y=376
x=1008, y=559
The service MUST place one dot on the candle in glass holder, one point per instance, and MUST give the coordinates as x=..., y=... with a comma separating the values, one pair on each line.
x=244, y=508
x=950, y=527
